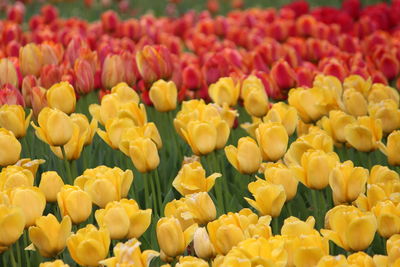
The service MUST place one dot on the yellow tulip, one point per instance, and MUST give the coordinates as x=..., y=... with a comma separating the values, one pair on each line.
x=284, y=114
x=358, y=83
x=280, y=174
x=227, y=114
x=315, y=168
x=124, y=219
x=56, y=263
x=9, y=73
x=89, y=246
x=192, y=178
x=30, y=59
x=380, y=92
x=393, y=148
x=256, y=103
x=15, y=176
x=31, y=165
x=350, y=228
x=125, y=93
x=179, y=210
x=333, y=261
x=171, y=238
x=149, y=130
x=115, y=127
x=129, y=254
x=105, y=184
x=272, y=139
x=10, y=148
x=190, y=261
x=143, y=153
x=84, y=126
x=393, y=250
x=334, y=124
x=377, y=193
x=73, y=148
x=224, y=91
x=31, y=200
x=50, y=184
x=364, y=134
x=61, y=96
x=49, y=236
x=249, y=84
x=202, y=244
x=347, y=182
x=382, y=174
x=361, y=259
x=387, y=111
x=355, y=103
x=269, y=198
x=201, y=136
x=75, y=203
x=55, y=127
x=381, y=260
x=163, y=95
x=133, y=111
x=388, y=217
x=12, y=222
x=246, y=158
x=332, y=88
x=12, y=117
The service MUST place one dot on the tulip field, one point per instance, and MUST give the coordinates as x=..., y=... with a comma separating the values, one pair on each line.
x=215, y=133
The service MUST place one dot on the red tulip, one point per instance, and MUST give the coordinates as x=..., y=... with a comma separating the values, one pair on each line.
x=283, y=75
x=10, y=95
x=84, y=77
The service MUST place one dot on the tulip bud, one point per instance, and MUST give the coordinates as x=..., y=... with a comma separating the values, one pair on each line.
x=224, y=91
x=272, y=139
x=191, y=77
x=201, y=137
x=12, y=118
x=38, y=100
x=154, y=63
x=28, y=83
x=388, y=217
x=84, y=126
x=144, y=154
x=202, y=245
x=246, y=158
x=163, y=95
x=75, y=203
x=84, y=77
x=283, y=114
x=364, y=134
x=113, y=72
x=50, y=184
x=61, y=96
x=355, y=103
x=335, y=124
x=15, y=176
x=10, y=148
x=110, y=21
x=73, y=147
x=283, y=75
x=393, y=149
x=386, y=111
x=52, y=54
x=379, y=92
x=49, y=75
x=279, y=174
x=8, y=72
x=12, y=222
x=30, y=59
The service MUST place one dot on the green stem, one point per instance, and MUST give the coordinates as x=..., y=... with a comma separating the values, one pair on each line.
x=217, y=186
x=67, y=166
x=12, y=258
x=25, y=147
x=26, y=253
x=153, y=194
x=289, y=208
x=18, y=252
x=146, y=191
x=275, y=226
x=315, y=208
x=159, y=192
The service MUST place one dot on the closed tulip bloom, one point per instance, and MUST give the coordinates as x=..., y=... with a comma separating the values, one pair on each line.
x=89, y=246
x=31, y=200
x=56, y=263
x=358, y=83
x=38, y=100
x=180, y=210
x=149, y=130
x=380, y=92
x=112, y=71
x=12, y=221
x=388, y=217
x=249, y=84
x=190, y=261
x=10, y=148
x=163, y=95
x=382, y=175
x=62, y=96
x=74, y=146
x=316, y=167
x=192, y=178
x=347, y=182
x=124, y=219
x=75, y=203
x=334, y=124
x=9, y=74
x=202, y=244
x=135, y=112
x=201, y=136
x=84, y=126
x=355, y=103
x=364, y=134
x=284, y=114
x=30, y=59
x=350, y=228
x=387, y=111
x=115, y=127
x=50, y=184
x=105, y=184
x=246, y=158
x=171, y=238
x=12, y=118
x=144, y=154
x=256, y=103
x=361, y=259
x=272, y=139
x=392, y=148
x=49, y=236
x=202, y=207
x=392, y=248
x=15, y=176
x=280, y=174
x=224, y=91
x=125, y=93
x=129, y=253
x=55, y=127
x=269, y=198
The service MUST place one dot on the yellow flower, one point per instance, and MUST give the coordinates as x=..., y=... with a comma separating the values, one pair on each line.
x=55, y=127
x=30, y=59
x=334, y=124
x=73, y=147
x=115, y=128
x=12, y=117
x=89, y=246
x=31, y=200
x=12, y=221
x=269, y=198
x=84, y=126
x=388, y=217
x=246, y=158
x=163, y=95
x=135, y=112
x=358, y=83
x=382, y=174
x=381, y=92
x=179, y=210
x=190, y=261
x=272, y=139
x=61, y=96
x=355, y=103
x=201, y=136
x=224, y=91
x=361, y=259
x=171, y=238
x=125, y=93
x=56, y=263
x=124, y=219
x=50, y=184
x=105, y=184
x=332, y=88
x=315, y=168
x=377, y=193
x=75, y=203
x=284, y=114
x=15, y=176
x=129, y=254
x=350, y=228
x=31, y=165
x=144, y=154
x=381, y=260
x=278, y=173
x=389, y=114
x=10, y=148
x=49, y=236
x=256, y=102
x=149, y=130
x=393, y=250
x=333, y=261
x=364, y=134
x=227, y=114
x=202, y=244
x=392, y=148
x=8, y=72
x=191, y=179
x=347, y=182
